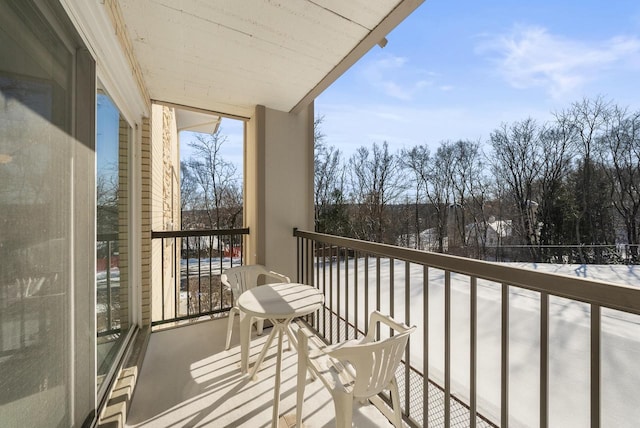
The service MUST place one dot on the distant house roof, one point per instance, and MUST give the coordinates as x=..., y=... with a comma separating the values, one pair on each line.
x=502, y=228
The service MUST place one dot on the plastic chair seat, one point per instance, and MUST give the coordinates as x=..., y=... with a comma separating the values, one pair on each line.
x=356, y=369
x=242, y=278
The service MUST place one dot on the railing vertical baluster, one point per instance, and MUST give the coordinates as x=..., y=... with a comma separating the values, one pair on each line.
x=355, y=295
x=331, y=294
x=317, y=263
x=299, y=255
x=378, y=290
x=338, y=293
x=346, y=293
x=504, y=360
x=302, y=256
x=595, y=365
x=163, y=274
x=407, y=321
x=199, y=276
x=324, y=289
x=211, y=274
x=447, y=349
x=544, y=360
x=310, y=262
x=108, y=284
x=315, y=274
x=366, y=293
x=188, y=279
x=473, y=351
x=392, y=300
x=176, y=276
x=425, y=346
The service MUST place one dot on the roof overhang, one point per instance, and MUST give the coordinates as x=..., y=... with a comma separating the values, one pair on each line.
x=229, y=56
x=188, y=120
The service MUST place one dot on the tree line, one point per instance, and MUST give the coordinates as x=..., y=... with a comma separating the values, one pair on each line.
x=572, y=181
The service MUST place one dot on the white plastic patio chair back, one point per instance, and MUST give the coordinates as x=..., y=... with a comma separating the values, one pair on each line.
x=242, y=278
x=356, y=369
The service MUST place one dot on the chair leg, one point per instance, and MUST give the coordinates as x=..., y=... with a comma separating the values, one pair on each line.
x=343, y=404
x=395, y=401
x=302, y=383
x=259, y=326
x=232, y=314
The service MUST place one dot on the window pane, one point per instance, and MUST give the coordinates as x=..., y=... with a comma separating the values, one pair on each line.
x=112, y=290
x=35, y=228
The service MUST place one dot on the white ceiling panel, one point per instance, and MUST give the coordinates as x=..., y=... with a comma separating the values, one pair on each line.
x=229, y=55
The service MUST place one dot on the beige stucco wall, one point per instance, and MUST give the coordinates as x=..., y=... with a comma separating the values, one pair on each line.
x=278, y=185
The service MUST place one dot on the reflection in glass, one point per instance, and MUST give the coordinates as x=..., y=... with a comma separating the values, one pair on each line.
x=35, y=228
x=112, y=293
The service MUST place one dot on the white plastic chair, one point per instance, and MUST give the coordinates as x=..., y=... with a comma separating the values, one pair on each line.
x=242, y=278
x=355, y=369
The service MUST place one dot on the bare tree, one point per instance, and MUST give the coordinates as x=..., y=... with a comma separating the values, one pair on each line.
x=469, y=192
x=588, y=119
x=107, y=198
x=619, y=150
x=556, y=154
x=329, y=182
x=517, y=162
x=217, y=179
x=189, y=195
x=377, y=181
x=417, y=161
x=439, y=189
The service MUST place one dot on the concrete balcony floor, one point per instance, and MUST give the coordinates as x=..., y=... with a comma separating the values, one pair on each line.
x=189, y=380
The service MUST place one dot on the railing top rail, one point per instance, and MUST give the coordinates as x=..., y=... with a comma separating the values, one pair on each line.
x=571, y=246
x=606, y=294
x=101, y=237
x=198, y=232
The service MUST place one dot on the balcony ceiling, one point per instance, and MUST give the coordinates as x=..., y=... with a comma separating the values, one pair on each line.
x=228, y=56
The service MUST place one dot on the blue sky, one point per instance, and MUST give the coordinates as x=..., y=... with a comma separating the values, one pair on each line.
x=458, y=69
x=107, y=129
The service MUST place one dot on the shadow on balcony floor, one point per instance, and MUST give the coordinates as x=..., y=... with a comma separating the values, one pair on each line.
x=189, y=380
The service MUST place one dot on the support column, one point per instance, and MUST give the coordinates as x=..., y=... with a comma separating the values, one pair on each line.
x=278, y=185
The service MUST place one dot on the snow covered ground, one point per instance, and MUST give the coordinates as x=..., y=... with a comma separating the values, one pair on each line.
x=569, y=346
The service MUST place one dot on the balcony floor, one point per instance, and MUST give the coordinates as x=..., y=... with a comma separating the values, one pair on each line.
x=188, y=379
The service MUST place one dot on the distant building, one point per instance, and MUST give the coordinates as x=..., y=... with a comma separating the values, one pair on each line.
x=498, y=232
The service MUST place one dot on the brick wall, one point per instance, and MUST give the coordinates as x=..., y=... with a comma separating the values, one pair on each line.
x=146, y=206
x=123, y=220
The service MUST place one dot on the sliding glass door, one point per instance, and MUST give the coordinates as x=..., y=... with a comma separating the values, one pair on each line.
x=47, y=93
x=112, y=240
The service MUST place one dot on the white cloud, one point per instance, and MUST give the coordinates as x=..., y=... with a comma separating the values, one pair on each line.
x=531, y=56
x=393, y=76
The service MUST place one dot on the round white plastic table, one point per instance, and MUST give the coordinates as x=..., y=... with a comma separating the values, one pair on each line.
x=279, y=303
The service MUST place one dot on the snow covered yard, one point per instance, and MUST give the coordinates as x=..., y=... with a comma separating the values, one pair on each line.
x=569, y=338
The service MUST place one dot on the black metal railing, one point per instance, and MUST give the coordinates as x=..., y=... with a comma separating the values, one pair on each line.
x=425, y=289
x=107, y=280
x=191, y=262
